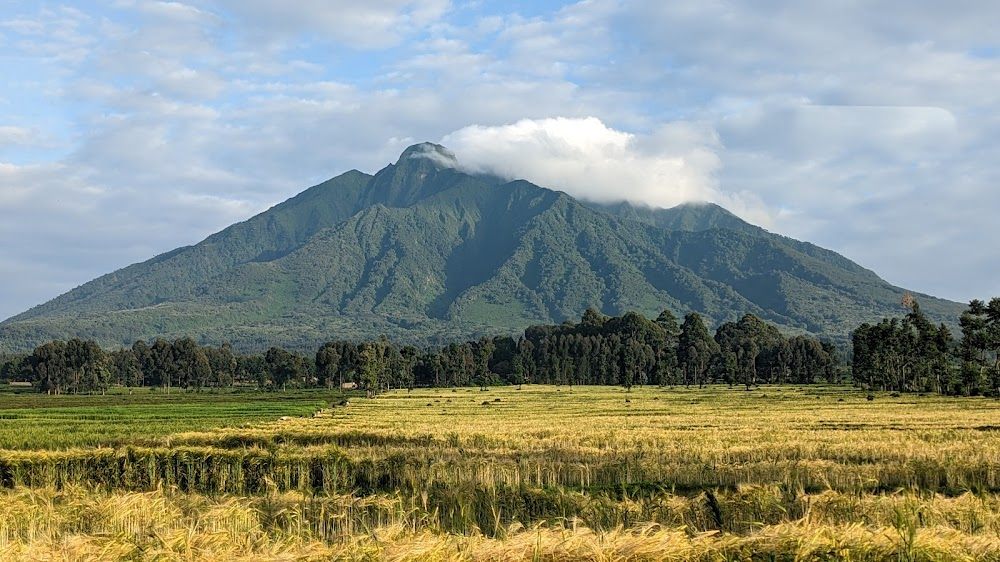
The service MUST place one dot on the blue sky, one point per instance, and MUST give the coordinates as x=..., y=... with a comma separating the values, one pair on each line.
x=131, y=127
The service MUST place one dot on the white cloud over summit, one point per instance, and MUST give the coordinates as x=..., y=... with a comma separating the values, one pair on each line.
x=675, y=164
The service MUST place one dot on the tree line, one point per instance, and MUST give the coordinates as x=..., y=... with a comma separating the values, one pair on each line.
x=625, y=350
x=912, y=354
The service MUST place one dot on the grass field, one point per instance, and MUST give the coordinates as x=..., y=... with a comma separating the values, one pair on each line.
x=541, y=473
x=33, y=421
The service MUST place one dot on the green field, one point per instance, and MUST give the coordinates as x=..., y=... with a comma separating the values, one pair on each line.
x=144, y=417
x=542, y=473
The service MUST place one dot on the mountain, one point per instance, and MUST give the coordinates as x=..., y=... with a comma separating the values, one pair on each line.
x=426, y=253
x=692, y=217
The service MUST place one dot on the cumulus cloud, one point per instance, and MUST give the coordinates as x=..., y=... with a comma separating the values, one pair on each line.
x=676, y=163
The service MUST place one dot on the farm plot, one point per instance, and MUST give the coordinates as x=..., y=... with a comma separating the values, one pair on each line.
x=539, y=473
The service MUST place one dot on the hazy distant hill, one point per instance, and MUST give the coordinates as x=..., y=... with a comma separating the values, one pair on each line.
x=424, y=252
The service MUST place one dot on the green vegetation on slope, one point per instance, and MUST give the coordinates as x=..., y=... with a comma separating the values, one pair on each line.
x=427, y=254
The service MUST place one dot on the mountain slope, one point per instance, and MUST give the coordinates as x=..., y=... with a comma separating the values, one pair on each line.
x=174, y=275
x=424, y=252
x=691, y=217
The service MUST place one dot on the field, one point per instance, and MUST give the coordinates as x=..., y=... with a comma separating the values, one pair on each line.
x=30, y=421
x=542, y=473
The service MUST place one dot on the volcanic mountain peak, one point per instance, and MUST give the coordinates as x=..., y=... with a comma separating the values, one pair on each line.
x=424, y=252
x=436, y=153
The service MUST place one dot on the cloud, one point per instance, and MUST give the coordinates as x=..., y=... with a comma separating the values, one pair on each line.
x=52, y=35
x=583, y=157
x=806, y=131
x=895, y=188
x=676, y=163
x=17, y=136
x=72, y=225
x=373, y=24
x=438, y=154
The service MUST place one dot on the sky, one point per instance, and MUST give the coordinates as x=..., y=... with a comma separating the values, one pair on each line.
x=132, y=127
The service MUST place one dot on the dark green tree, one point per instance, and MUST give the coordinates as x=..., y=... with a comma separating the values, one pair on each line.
x=127, y=371
x=285, y=368
x=161, y=370
x=48, y=367
x=695, y=348
x=328, y=365
x=222, y=363
x=372, y=367
x=973, y=347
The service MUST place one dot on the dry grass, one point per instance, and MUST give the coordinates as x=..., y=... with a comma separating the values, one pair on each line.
x=79, y=524
x=542, y=473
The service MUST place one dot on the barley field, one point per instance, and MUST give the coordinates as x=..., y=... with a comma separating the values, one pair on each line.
x=537, y=473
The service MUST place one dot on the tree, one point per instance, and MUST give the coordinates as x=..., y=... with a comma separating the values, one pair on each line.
x=410, y=356
x=931, y=348
x=285, y=368
x=126, y=367
x=76, y=357
x=394, y=366
x=187, y=371
x=973, y=346
x=979, y=346
x=372, y=367
x=526, y=361
x=484, y=350
x=993, y=344
x=805, y=359
x=15, y=368
x=632, y=362
x=665, y=349
x=48, y=367
x=162, y=368
x=252, y=368
x=144, y=356
x=668, y=322
x=884, y=355
x=833, y=356
x=695, y=348
x=592, y=321
x=328, y=365
x=201, y=369
x=222, y=363
x=84, y=367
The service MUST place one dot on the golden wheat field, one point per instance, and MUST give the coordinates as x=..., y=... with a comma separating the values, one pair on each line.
x=540, y=473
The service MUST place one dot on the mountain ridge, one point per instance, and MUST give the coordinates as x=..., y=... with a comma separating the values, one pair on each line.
x=424, y=252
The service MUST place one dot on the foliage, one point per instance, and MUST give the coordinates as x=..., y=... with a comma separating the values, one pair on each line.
x=912, y=354
x=428, y=255
x=979, y=349
x=628, y=350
